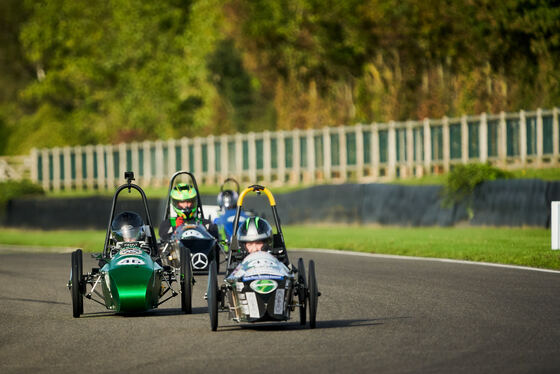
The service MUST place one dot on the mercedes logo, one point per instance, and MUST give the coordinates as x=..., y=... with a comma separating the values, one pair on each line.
x=199, y=261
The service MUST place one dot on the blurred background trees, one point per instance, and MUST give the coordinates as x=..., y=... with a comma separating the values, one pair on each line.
x=110, y=71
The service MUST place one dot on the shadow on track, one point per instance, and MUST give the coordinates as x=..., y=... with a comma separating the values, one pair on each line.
x=32, y=300
x=150, y=313
x=332, y=324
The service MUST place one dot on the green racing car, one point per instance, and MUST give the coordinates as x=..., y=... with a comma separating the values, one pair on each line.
x=130, y=277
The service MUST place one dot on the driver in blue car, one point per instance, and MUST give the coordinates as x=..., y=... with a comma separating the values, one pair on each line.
x=184, y=202
x=227, y=201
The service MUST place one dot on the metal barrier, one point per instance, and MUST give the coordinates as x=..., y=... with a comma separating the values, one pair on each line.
x=360, y=153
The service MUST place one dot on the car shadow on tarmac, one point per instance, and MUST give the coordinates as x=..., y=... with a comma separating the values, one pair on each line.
x=323, y=324
x=150, y=313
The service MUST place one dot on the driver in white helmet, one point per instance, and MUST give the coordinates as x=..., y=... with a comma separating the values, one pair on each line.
x=255, y=234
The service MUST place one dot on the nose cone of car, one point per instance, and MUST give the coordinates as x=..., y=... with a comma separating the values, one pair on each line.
x=134, y=284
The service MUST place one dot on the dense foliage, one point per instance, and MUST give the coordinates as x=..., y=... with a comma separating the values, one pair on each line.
x=463, y=179
x=111, y=71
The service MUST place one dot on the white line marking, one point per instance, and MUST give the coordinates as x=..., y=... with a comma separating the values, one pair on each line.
x=396, y=257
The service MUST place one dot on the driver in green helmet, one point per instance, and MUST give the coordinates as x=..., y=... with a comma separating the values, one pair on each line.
x=184, y=201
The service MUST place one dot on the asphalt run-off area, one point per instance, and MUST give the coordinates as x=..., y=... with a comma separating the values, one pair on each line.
x=377, y=314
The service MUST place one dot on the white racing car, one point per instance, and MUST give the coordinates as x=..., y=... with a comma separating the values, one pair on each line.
x=262, y=286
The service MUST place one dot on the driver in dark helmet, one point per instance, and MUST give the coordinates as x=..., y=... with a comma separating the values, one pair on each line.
x=184, y=202
x=255, y=234
x=128, y=227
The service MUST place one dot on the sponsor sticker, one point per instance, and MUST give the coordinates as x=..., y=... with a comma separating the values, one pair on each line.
x=192, y=234
x=264, y=286
x=131, y=261
x=130, y=251
x=253, y=305
x=199, y=261
x=267, y=276
x=279, y=301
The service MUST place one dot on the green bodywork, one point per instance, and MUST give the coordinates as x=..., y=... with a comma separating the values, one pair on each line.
x=131, y=281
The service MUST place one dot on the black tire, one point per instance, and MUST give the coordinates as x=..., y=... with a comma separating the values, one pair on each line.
x=76, y=277
x=82, y=282
x=212, y=295
x=302, y=290
x=185, y=279
x=313, y=295
x=217, y=259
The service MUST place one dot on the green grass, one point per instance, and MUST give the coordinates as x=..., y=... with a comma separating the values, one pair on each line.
x=527, y=247
x=517, y=246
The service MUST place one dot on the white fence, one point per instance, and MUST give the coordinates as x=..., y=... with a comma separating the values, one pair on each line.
x=362, y=153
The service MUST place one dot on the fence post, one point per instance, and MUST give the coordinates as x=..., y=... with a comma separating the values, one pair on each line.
x=419, y=161
x=171, y=157
x=185, y=157
x=464, y=140
x=135, y=158
x=267, y=159
x=78, y=154
x=483, y=138
x=56, y=168
x=539, y=137
x=159, y=163
x=392, y=151
x=252, y=157
x=46, y=171
x=211, y=162
x=522, y=137
x=239, y=157
x=446, y=144
x=67, y=168
x=555, y=136
x=100, y=167
x=310, y=155
x=146, y=145
x=409, y=150
x=197, y=157
x=280, y=136
x=374, y=150
x=359, y=152
x=34, y=168
x=296, y=158
x=111, y=182
x=327, y=159
x=122, y=161
x=90, y=181
x=427, y=147
x=224, y=158
x=502, y=140
x=342, y=153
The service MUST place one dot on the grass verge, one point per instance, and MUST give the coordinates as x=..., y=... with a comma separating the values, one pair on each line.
x=515, y=246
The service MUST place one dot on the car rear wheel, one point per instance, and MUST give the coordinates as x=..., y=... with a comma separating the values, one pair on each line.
x=302, y=290
x=313, y=295
x=217, y=259
x=76, y=289
x=212, y=295
x=186, y=277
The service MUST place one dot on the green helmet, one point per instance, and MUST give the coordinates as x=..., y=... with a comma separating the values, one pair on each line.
x=184, y=193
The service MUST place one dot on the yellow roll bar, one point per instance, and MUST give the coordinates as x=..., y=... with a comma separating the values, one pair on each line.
x=256, y=188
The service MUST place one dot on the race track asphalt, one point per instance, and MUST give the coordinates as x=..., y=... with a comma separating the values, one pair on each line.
x=376, y=315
